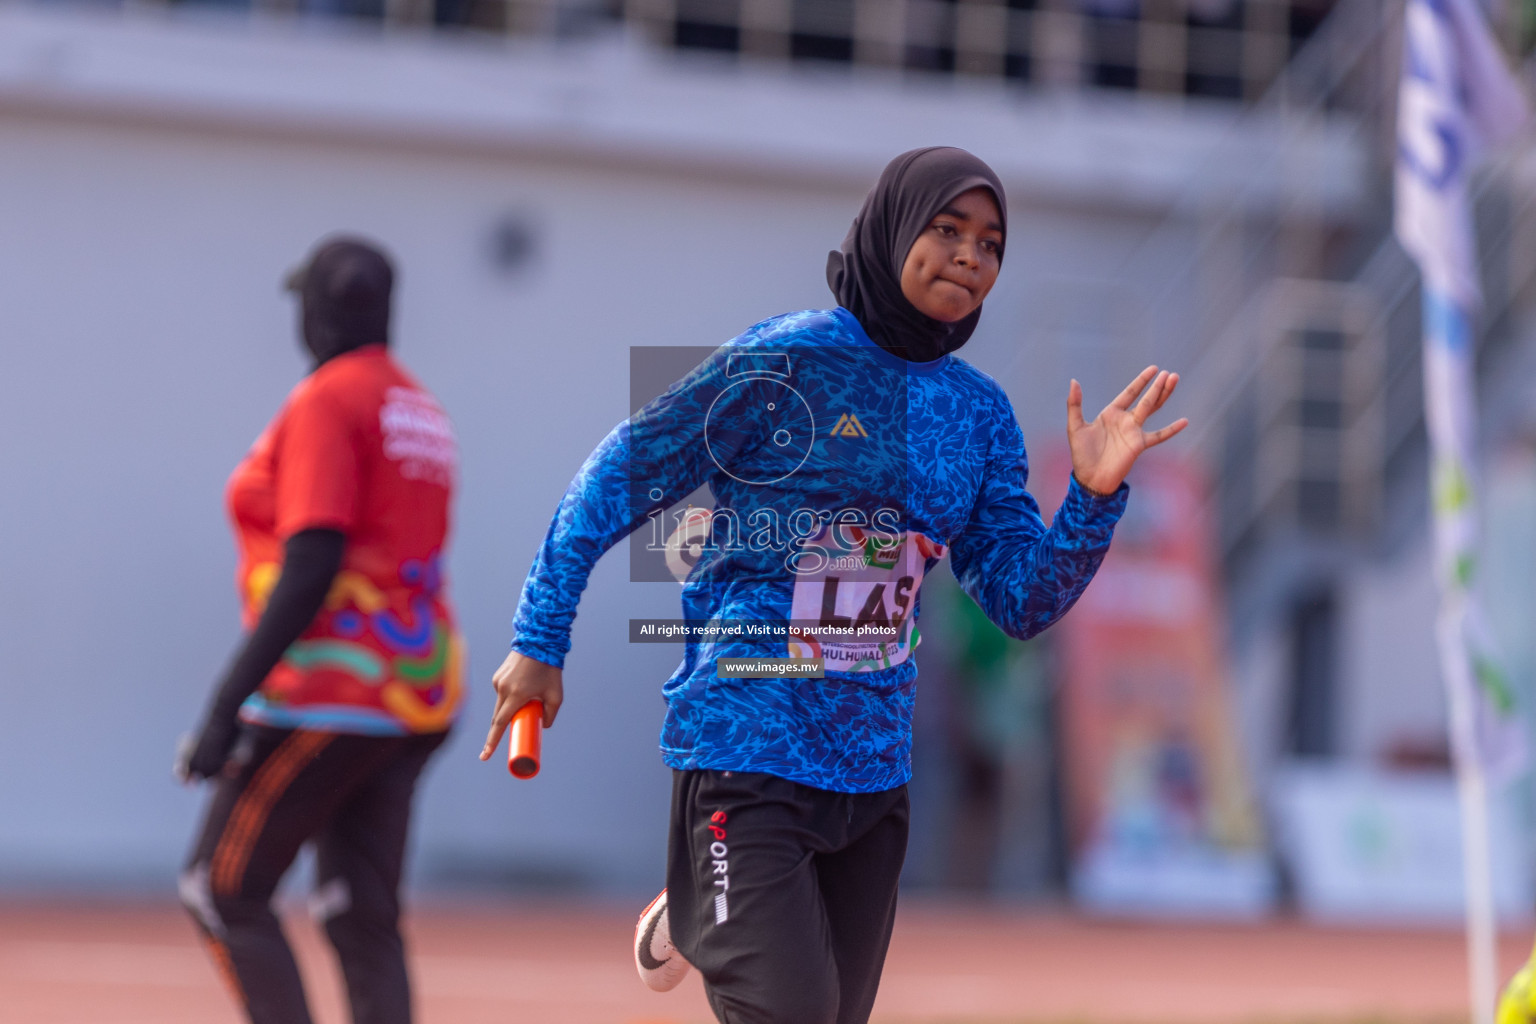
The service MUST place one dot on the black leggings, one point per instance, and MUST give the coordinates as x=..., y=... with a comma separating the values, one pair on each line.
x=783, y=895
x=351, y=795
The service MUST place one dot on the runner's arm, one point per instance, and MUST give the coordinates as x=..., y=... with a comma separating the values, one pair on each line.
x=1023, y=574
x=646, y=464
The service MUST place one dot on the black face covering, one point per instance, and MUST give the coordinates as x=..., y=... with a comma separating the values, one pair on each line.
x=865, y=274
x=344, y=290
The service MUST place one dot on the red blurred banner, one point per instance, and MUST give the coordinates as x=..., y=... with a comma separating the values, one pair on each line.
x=1160, y=811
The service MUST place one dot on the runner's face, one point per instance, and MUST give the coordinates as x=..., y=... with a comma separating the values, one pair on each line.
x=954, y=262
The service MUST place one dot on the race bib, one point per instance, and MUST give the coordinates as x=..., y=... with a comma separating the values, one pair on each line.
x=855, y=609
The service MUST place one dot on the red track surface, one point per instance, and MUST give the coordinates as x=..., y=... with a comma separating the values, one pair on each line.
x=548, y=965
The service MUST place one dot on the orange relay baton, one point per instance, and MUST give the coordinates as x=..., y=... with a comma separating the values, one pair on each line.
x=524, y=737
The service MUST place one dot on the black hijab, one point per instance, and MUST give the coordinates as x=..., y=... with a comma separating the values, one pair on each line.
x=865, y=274
x=344, y=290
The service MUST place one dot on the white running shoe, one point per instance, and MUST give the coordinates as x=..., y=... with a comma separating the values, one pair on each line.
x=660, y=965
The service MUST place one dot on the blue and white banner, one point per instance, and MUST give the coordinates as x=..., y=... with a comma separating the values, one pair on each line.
x=1457, y=99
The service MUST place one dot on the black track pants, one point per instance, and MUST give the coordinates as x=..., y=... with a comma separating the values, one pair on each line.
x=351, y=795
x=783, y=895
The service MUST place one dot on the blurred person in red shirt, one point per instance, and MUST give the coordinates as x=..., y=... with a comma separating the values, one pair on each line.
x=349, y=675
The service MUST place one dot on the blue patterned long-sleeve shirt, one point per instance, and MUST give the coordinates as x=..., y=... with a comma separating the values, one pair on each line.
x=840, y=474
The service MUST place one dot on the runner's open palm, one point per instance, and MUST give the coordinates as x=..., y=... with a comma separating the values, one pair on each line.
x=1104, y=451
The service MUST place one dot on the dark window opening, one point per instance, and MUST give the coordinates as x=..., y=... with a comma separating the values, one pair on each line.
x=1311, y=713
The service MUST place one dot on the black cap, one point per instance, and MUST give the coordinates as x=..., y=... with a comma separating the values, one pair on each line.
x=345, y=287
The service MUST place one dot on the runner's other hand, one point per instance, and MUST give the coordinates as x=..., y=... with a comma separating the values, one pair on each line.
x=519, y=680
x=1104, y=451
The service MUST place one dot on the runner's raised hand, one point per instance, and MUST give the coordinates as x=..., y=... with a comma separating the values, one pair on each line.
x=1104, y=450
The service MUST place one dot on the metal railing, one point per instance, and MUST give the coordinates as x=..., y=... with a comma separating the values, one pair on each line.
x=1233, y=49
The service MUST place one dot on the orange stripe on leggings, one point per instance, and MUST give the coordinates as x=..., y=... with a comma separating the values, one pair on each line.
x=226, y=967
x=242, y=827
x=250, y=813
x=242, y=816
x=232, y=834
x=249, y=817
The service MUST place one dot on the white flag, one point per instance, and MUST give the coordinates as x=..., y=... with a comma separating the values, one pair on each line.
x=1457, y=99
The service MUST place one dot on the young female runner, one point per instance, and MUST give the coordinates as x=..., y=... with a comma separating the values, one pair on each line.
x=847, y=450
